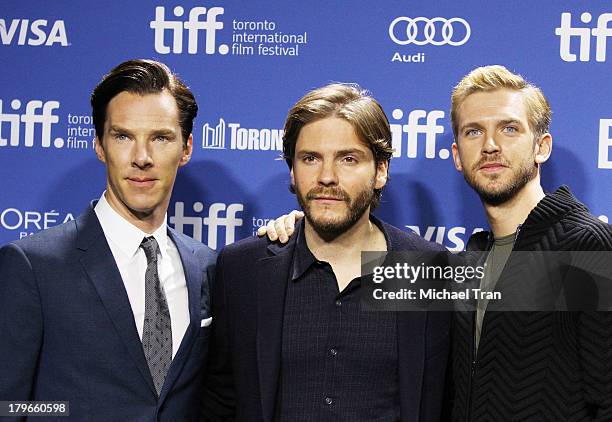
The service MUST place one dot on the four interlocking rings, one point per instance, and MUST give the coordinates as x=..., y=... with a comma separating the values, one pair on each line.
x=430, y=31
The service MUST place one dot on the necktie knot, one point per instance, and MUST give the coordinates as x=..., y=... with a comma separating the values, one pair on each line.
x=150, y=247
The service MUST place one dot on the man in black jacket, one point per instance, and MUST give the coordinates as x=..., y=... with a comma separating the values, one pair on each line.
x=290, y=342
x=523, y=366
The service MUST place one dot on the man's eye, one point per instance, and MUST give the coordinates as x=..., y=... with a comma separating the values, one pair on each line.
x=350, y=159
x=308, y=159
x=473, y=132
x=121, y=137
x=511, y=129
x=162, y=138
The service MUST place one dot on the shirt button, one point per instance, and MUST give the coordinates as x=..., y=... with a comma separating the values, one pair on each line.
x=333, y=352
x=328, y=401
x=338, y=303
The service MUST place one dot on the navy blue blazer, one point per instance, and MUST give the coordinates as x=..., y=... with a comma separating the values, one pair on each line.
x=67, y=331
x=244, y=360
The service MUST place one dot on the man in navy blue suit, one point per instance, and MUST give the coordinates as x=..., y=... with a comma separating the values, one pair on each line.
x=290, y=341
x=110, y=312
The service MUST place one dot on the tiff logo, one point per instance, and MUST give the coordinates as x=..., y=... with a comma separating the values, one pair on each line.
x=37, y=113
x=34, y=33
x=601, y=33
x=605, y=144
x=193, y=26
x=214, y=138
x=213, y=221
x=413, y=128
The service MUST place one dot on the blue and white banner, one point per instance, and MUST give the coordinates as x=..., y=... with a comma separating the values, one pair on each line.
x=248, y=62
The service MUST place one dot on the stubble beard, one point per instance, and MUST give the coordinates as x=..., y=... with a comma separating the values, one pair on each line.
x=525, y=173
x=329, y=228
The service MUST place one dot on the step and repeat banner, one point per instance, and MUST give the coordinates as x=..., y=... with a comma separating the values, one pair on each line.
x=248, y=62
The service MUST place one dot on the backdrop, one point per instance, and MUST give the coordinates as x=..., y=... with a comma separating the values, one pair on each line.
x=248, y=62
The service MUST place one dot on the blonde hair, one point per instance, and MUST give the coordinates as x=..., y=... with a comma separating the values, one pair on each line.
x=491, y=78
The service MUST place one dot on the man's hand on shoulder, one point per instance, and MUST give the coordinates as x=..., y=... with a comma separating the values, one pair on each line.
x=282, y=227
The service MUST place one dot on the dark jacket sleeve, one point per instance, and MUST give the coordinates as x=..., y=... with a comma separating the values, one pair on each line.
x=21, y=326
x=218, y=402
x=595, y=338
x=595, y=348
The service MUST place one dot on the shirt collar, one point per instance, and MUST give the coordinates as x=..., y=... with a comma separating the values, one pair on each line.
x=126, y=236
x=303, y=257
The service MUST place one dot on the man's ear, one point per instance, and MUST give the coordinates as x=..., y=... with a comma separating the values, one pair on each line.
x=187, y=151
x=99, y=149
x=543, y=148
x=382, y=174
x=456, y=159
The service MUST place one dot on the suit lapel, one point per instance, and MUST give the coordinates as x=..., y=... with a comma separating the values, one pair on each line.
x=100, y=266
x=193, y=277
x=271, y=284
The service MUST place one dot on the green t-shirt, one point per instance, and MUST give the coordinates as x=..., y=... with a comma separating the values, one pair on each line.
x=494, y=265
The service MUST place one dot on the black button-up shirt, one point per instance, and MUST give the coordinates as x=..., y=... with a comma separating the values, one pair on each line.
x=338, y=363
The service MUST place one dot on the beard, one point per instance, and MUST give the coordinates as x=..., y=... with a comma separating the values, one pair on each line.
x=329, y=228
x=504, y=190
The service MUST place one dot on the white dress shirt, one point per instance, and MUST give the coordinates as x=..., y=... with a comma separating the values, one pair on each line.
x=124, y=240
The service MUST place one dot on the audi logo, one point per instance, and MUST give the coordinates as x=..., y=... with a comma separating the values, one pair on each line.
x=429, y=36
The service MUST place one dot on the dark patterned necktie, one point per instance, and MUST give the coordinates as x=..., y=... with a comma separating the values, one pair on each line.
x=157, y=331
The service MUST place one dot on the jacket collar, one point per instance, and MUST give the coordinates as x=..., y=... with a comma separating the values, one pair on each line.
x=553, y=207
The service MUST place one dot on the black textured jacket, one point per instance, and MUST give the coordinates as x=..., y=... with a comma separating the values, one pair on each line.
x=537, y=366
